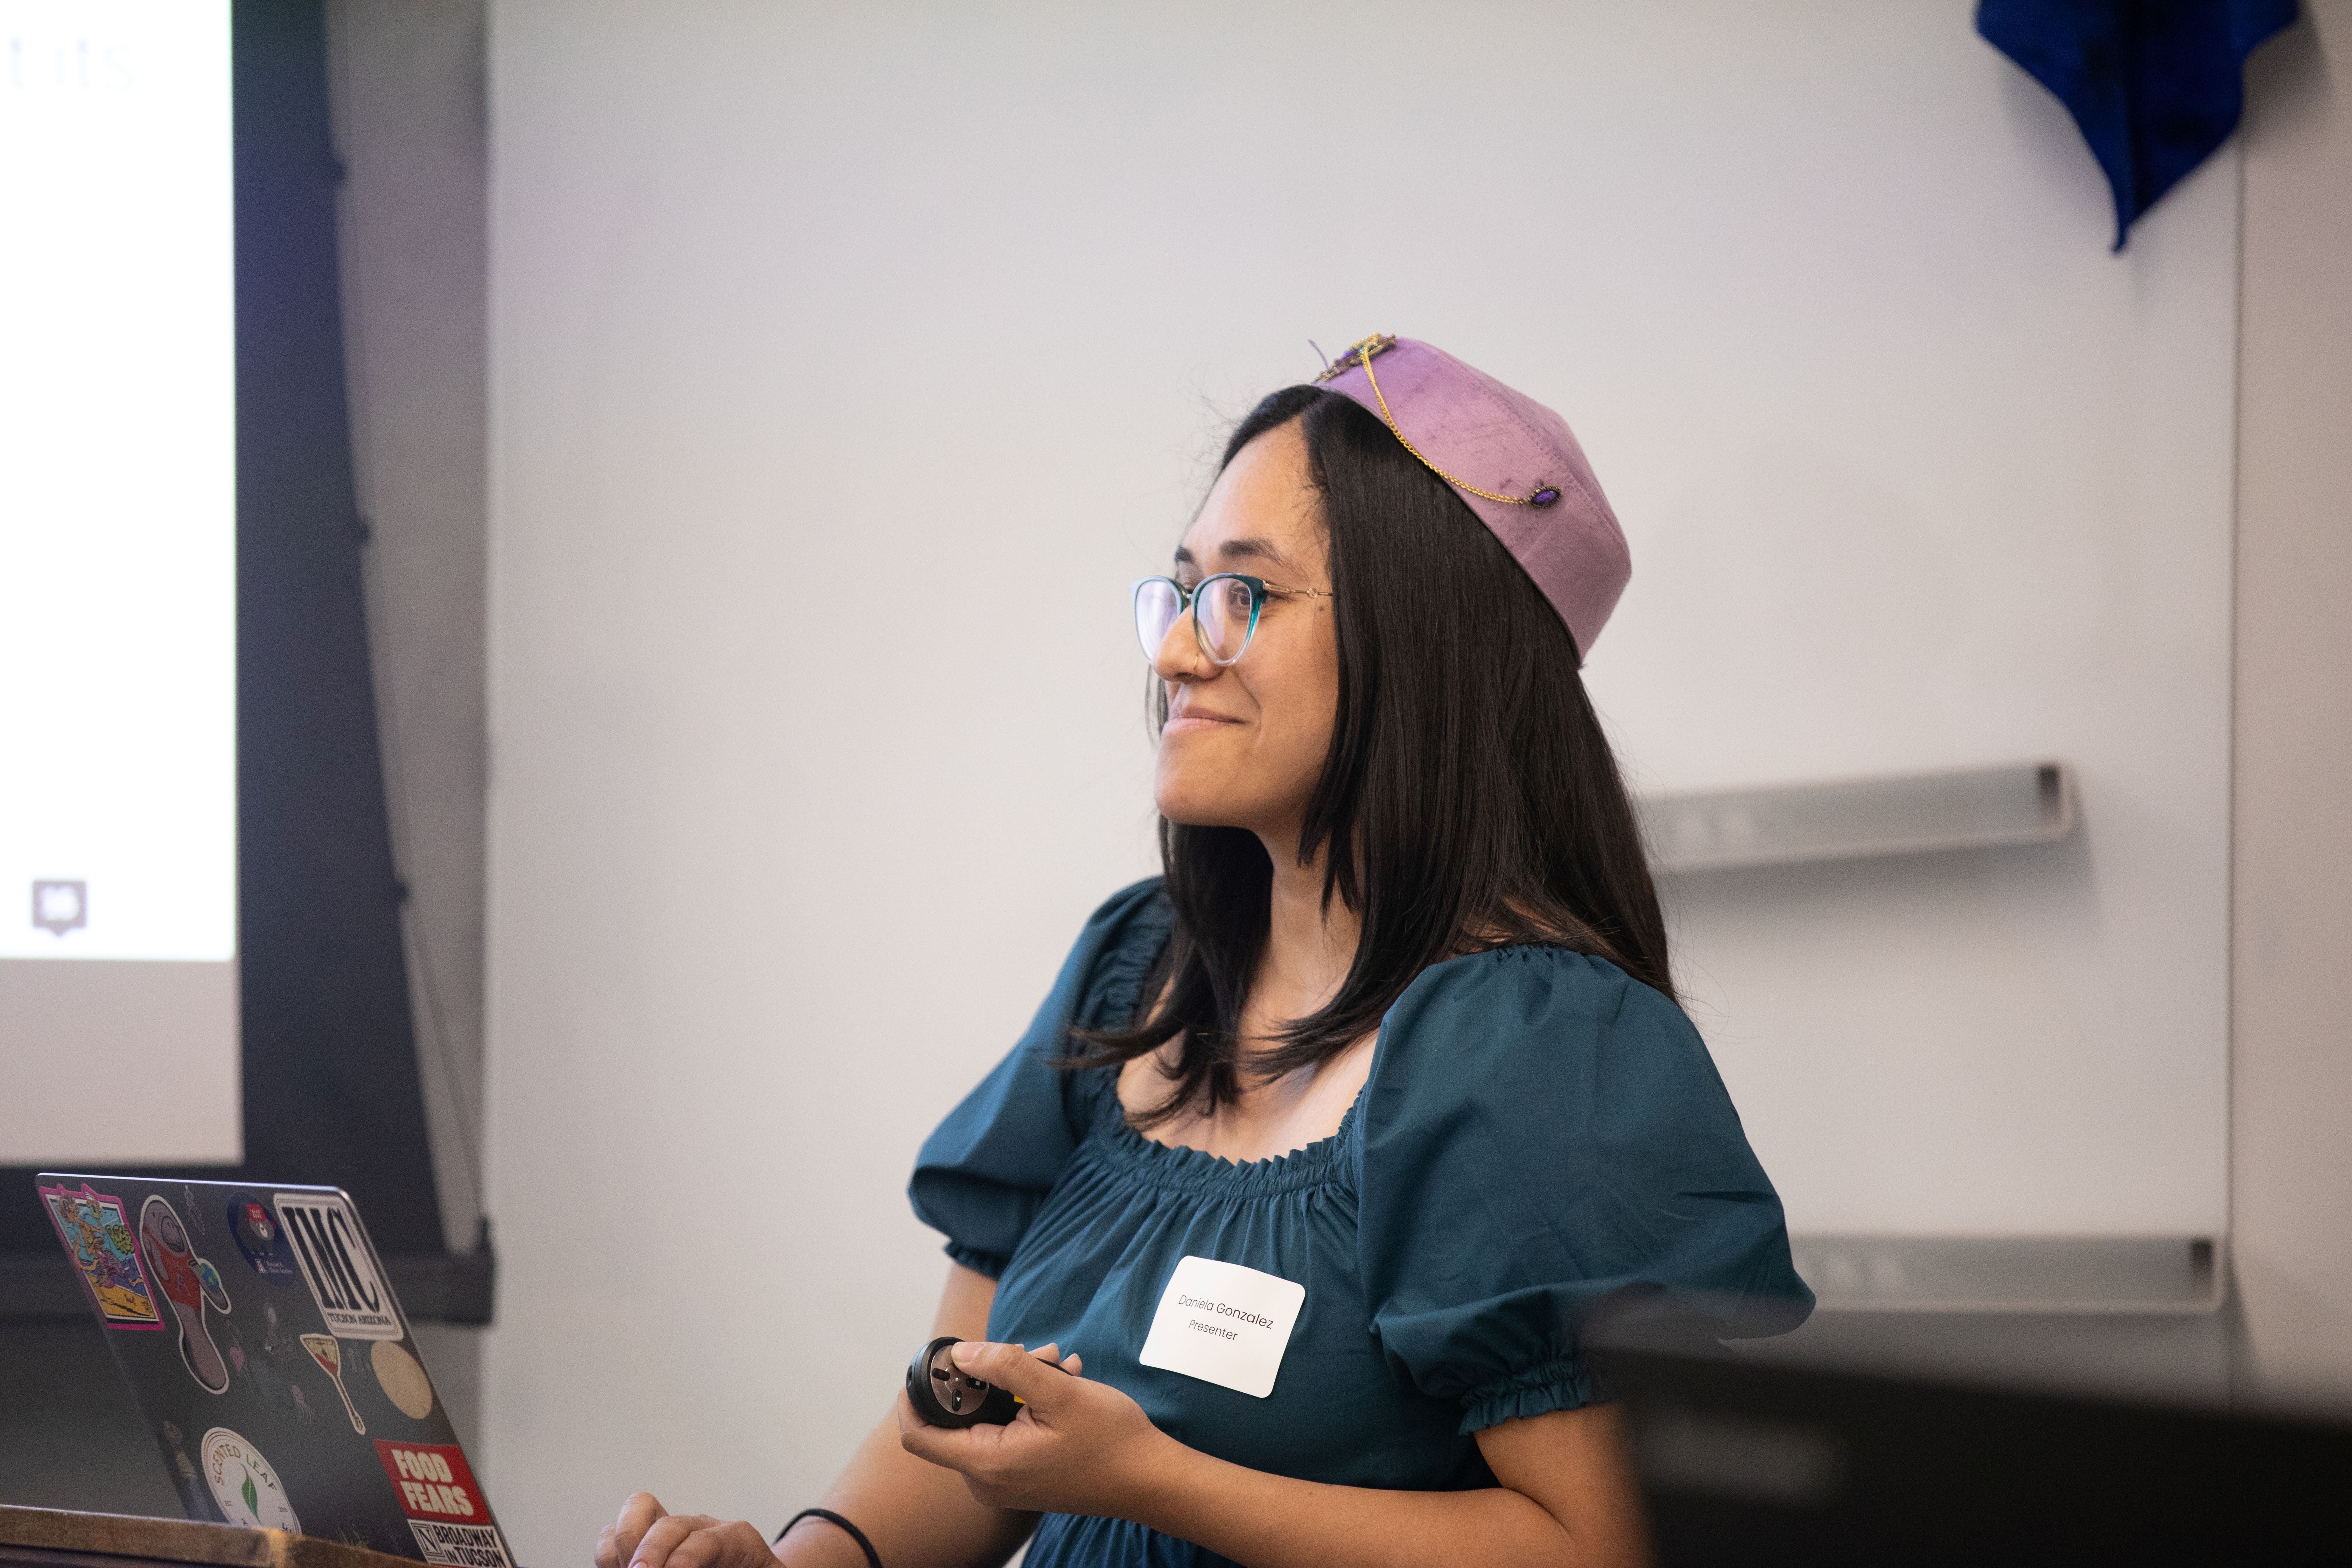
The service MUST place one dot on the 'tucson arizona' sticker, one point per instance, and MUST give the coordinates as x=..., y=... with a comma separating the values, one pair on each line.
x=339, y=1266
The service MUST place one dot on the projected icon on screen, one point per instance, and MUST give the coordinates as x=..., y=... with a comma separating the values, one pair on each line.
x=60, y=907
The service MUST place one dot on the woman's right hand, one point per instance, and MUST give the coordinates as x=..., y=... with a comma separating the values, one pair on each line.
x=647, y=1535
x=918, y=1514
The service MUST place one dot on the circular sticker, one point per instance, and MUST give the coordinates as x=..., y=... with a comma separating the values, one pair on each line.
x=402, y=1379
x=247, y=1490
x=215, y=1290
x=258, y=1237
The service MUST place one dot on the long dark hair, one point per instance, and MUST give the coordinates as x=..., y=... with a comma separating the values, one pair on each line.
x=1469, y=801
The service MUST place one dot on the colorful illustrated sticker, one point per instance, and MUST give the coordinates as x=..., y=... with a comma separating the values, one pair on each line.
x=445, y=1508
x=242, y=1482
x=339, y=1266
x=328, y=1351
x=402, y=1377
x=165, y=1245
x=97, y=1236
x=259, y=1238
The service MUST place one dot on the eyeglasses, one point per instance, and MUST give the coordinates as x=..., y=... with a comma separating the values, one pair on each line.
x=1225, y=609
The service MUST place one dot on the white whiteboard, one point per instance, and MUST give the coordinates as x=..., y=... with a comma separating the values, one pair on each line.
x=1933, y=482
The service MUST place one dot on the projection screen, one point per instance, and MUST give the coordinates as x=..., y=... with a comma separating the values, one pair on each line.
x=118, y=611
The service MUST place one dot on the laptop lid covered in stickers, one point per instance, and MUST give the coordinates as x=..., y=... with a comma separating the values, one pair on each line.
x=275, y=1371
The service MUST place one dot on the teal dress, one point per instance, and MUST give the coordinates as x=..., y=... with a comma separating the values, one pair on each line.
x=1539, y=1134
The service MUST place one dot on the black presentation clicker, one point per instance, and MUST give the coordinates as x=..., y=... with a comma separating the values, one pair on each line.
x=944, y=1394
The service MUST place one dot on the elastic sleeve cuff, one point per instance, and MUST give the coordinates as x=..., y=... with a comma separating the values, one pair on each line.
x=1564, y=1384
x=989, y=1263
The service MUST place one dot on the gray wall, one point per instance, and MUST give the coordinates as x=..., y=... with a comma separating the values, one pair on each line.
x=408, y=93
x=2285, y=1337
x=407, y=80
x=2291, y=1134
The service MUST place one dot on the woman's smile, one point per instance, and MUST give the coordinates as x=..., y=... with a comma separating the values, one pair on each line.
x=1190, y=718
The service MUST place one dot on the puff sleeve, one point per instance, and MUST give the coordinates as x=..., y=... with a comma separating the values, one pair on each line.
x=1542, y=1137
x=983, y=1174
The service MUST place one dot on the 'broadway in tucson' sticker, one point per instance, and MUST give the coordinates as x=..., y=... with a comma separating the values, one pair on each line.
x=445, y=1508
x=338, y=1266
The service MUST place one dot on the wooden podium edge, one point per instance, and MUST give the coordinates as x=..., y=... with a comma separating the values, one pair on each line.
x=121, y=1535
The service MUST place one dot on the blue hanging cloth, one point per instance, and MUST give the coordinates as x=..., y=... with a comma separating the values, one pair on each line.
x=2155, y=85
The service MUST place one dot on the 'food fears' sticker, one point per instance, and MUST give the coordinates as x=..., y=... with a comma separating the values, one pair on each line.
x=445, y=1508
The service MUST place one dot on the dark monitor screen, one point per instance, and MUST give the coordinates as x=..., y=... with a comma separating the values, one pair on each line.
x=1748, y=1463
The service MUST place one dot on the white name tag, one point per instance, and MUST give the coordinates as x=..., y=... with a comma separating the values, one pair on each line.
x=1224, y=1324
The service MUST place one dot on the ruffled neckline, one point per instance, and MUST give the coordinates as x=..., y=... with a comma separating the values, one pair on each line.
x=1180, y=1167
x=1118, y=984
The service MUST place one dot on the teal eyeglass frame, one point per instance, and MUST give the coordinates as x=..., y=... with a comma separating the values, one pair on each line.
x=1260, y=589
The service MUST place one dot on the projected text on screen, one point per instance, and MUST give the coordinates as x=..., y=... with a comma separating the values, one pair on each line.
x=118, y=583
x=118, y=783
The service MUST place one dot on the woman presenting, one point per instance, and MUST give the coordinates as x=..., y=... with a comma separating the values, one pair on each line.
x=1311, y=1177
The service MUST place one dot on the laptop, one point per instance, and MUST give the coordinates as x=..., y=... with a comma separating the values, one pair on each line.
x=272, y=1362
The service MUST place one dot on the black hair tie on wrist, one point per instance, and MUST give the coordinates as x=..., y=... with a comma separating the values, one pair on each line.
x=873, y=1558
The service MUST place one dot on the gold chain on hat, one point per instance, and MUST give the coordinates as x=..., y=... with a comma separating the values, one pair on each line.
x=1361, y=353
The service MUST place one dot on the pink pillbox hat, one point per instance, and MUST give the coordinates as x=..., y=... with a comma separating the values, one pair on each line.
x=1513, y=460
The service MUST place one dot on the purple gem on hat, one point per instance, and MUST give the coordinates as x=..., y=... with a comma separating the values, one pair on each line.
x=1479, y=435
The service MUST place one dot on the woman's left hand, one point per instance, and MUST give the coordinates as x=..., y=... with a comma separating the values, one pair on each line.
x=1075, y=1448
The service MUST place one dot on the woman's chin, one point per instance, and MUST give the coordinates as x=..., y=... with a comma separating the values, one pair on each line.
x=1210, y=796
x=1188, y=808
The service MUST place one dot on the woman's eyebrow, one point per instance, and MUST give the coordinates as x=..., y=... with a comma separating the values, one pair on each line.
x=1253, y=549
x=1246, y=549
